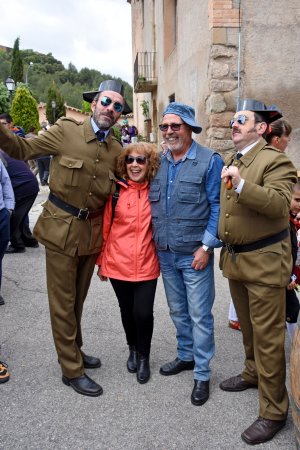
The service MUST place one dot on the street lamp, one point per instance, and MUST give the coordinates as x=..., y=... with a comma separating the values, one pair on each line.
x=10, y=84
x=53, y=105
x=26, y=76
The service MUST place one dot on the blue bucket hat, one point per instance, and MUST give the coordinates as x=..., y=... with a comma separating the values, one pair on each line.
x=186, y=113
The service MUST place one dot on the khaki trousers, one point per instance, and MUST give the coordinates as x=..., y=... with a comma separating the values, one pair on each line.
x=68, y=281
x=261, y=312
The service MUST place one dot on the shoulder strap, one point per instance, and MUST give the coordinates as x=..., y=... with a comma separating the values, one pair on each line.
x=114, y=201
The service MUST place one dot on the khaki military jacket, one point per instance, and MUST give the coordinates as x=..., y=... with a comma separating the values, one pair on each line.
x=81, y=174
x=261, y=210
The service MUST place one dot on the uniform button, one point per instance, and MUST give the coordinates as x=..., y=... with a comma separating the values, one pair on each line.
x=94, y=177
x=70, y=165
x=226, y=215
x=226, y=233
x=235, y=163
x=97, y=160
x=90, y=194
x=54, y=214
x=228, y=197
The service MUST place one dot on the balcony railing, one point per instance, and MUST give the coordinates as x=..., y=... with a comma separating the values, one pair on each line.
x=145, y=77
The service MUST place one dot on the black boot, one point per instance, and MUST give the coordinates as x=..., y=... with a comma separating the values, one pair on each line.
x=132, y=359
x=143, y=368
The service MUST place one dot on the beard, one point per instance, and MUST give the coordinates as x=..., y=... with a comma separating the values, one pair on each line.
x=103, y=120
x=175, y=146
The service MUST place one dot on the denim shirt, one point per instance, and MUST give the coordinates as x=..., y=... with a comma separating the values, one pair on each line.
x=191, y=191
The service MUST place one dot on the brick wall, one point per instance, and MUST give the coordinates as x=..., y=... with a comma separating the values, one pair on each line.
x=222, y=14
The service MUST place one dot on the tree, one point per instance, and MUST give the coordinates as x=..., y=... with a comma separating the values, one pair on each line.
x=16, y=63
x=24, y=110
x=54, y=95
x=70, y=82
x=86, y=107
x=4, y=99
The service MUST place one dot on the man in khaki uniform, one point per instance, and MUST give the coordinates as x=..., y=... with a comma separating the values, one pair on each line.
x=256, y=259
x=70, y=226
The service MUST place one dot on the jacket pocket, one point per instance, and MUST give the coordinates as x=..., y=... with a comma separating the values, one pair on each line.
x=190, y=190
x=53, y=227
x=70, y=170
x=154, y=193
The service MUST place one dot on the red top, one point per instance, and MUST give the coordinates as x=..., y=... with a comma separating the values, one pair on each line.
x=128, y=251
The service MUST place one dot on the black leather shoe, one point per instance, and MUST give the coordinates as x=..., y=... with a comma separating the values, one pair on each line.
x=176, y=366
x=132, y=359
x=236, y=384
x=83, y=385
x=143, y=369
x=11, y=249
x=262, y=430
x=200, y=392
x=90, y=362
x=2, y=302
x=32, y=244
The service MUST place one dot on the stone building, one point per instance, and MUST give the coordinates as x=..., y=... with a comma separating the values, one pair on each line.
x=209, y=53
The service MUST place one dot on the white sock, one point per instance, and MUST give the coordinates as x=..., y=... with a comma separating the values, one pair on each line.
x=232, y=313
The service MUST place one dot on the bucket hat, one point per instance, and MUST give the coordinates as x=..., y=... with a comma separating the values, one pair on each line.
x=270, y=113
x=186, y=113
x=108, y=85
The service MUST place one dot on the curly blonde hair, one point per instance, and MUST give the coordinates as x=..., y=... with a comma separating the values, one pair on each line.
x=142, y=148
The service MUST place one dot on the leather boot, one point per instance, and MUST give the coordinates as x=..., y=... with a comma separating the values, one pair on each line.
x=132, y=359
x=143, y=369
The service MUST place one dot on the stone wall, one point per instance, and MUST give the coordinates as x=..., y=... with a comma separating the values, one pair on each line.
x=222, y=73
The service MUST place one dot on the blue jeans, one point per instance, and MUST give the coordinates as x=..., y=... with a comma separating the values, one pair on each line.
x=4, y=235
x=190, y=295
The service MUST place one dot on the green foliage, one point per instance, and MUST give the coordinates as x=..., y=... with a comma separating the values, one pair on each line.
x=53, y=114
x=117, y=133
x=145, y=108
x=24, y=110
x=16, y=63
x=70, y=82
x=86, y=107
x=4, y=99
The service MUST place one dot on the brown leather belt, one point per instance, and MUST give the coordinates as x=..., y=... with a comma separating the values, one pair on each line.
x=258, y=244
x=81, y=214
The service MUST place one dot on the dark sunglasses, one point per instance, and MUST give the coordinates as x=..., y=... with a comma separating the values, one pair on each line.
x=240, y=120
x=141, y=160
x=173, y=126
x=106, y=101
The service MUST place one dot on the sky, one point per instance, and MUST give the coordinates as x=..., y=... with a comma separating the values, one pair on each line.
x=89, y=33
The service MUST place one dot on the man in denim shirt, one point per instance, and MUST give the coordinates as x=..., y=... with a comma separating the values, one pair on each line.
x=185, y=201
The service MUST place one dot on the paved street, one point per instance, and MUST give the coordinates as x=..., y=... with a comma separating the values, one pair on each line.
x=38, y=412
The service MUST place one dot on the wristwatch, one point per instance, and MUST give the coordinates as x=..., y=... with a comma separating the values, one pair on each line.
x=207, y=249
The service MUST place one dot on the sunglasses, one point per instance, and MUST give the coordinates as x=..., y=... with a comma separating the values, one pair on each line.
x=141, y=160
x=240, y=120
x=106, y=101
x=173, y=126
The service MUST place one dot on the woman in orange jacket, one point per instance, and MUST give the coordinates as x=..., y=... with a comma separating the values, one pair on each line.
x=128, y=257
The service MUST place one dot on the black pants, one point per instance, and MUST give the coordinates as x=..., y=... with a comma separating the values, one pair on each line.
x=136, y=301
x=20, y=234
x=44, y=169
x=292, y=306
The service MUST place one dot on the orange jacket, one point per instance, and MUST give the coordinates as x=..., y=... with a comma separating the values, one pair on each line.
x=128, y=251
